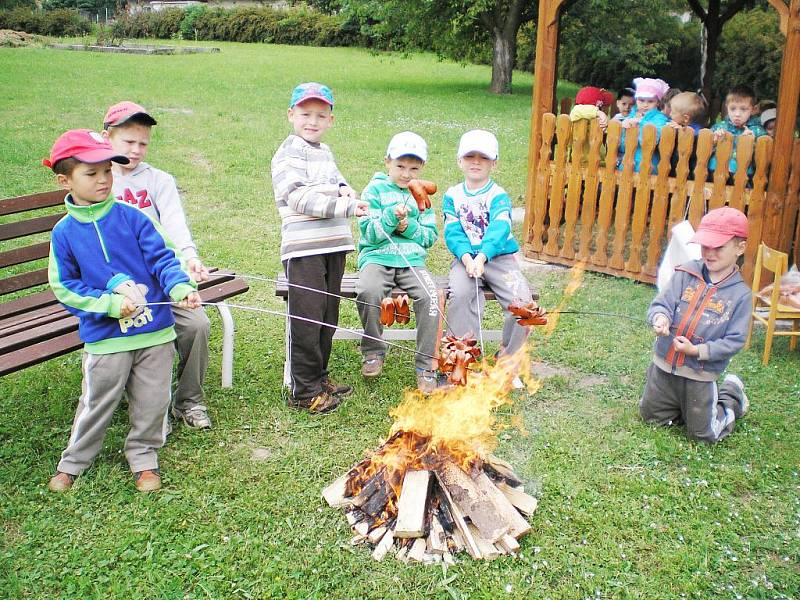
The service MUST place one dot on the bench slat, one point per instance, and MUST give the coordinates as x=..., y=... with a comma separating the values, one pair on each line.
x=23, y=281
x=10, y=231
x=35, y=334
x=25, y=254
x=10, y=206
x=26, y=303
x=36, y=353
x=27, y=319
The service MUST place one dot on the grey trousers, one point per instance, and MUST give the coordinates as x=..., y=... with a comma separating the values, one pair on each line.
x=192, y=328
x=465, y=308
x=145, y=374
x=709, y=411
x=375, y=282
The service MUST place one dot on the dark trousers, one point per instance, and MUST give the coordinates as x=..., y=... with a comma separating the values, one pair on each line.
x=310, y=344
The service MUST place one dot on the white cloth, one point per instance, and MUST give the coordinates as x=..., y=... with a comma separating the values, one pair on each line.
x=678, y=251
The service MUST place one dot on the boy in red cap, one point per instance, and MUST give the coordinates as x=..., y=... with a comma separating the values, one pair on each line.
x=127, y=127
x=701, y=320
x=111, y=267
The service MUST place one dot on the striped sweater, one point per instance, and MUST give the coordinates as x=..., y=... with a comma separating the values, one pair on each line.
x=314, y=218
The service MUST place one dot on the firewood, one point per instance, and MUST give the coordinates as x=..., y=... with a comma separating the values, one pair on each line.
x=458, y=540
x=445, y=518
x=458, y=519
x=509, y=544
x=487, y=548
x=417, y=550
x=503, y=469
x=448, y=559
x=357, y=539
x=517, y=525
x=402, y=554
x=376, y=534
x=334, y=494
x=361, y=528
x=412, y=505
x=376, y=503
x=383, y=545
x=524, y=503
x=354, y=516
x=474, y=503
x=373, y=485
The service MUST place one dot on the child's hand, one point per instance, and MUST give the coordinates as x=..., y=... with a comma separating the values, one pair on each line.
x=628, y=123
x=675, y=125
x=197, y=270
x=477, y=265
x=682, y=344
x=401, y=226
x=602, y=119
x=747, y=131
x=128, y=308
x=467, y=261
x=346, y=190
x=362, y=208
x=661, y=324
x=192, y=301
x=718, y=135
x=401, y=211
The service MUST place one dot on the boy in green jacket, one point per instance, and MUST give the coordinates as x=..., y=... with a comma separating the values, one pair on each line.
x=383, y=263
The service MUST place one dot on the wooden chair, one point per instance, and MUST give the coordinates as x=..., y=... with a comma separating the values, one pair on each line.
x=776, y=263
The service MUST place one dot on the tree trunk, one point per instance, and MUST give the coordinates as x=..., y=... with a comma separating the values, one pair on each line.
x=504, y=53
x=712, y=43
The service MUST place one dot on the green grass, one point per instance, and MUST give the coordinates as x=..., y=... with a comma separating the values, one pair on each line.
x=626, y=510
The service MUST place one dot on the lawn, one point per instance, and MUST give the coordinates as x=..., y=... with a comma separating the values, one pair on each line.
x=626, y=510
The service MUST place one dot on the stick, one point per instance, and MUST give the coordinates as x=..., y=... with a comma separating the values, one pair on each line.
x=478, y=310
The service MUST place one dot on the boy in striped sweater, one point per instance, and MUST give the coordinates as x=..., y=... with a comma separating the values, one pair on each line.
x=314, y=202
x=395, y=237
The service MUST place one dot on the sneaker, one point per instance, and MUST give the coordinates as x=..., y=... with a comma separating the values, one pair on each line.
x=372, y=366
x=319, y=404
x=336, y=389
x=61, y=482
x=148, y=480
x=426, y=381
x=744, y=403
x=195, y=417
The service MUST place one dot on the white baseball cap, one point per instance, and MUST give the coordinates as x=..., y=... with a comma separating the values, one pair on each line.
x=407, y=143
x=481, y=141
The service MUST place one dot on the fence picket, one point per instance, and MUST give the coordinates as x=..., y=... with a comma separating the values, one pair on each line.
x=589, y=202
x=563, y=127
x=744, y=156
x=793, y=197
x=677, y=209
x=606, y=207
x=541, y=199
x=642, y=200
x=755, y=208
x=697, y=201
x=579, y=133
x=623, y=208
x=723, y=153
x=658, y=211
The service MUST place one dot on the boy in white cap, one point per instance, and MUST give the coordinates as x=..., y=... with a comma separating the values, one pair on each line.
x=394, y=235
x=107, y=261
x=315, y=203
x=127, y=127
x=477, y=230
x=701, y=320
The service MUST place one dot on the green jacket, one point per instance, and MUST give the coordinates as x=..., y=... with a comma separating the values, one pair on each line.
x=373, y=247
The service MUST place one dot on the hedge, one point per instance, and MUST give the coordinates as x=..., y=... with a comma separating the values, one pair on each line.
x=60, y=22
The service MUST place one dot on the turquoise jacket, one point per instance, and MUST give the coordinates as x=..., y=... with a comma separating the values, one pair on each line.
x=753, y=125
x=652, y=117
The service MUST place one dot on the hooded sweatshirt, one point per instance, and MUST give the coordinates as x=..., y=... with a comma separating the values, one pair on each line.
x=94, y=249
x=155, y=193
x=383, y=196
x=715, y=317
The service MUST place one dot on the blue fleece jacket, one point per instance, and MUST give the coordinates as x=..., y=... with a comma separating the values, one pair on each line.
x=478, y=221
x=97, y=247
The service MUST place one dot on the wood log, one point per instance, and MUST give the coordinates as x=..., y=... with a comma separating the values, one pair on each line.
x=357, y=539
x=458, y=519
x=523, y=502
x=458, y=541
x=334, y=494
x=488, y=550
x=402, y=554
x=444, y=515
x=354, y=516
x=383, y=545
x=412, y=505
x=417, y=550
x=376, y=534
x=474, y=503
x=501, y=469
x=436, y=544
x=509, y=544
x=361, y=528
x=377, y=502
x=517, y=525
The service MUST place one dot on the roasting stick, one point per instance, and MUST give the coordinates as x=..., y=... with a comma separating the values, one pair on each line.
x=299, y=318
x=478, y=310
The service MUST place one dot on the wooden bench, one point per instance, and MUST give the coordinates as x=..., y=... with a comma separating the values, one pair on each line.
x=34, y=327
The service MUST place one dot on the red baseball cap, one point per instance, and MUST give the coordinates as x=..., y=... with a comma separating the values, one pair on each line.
x=720, y=225
x=124, y=111
x=84, y=145
x=594, y=96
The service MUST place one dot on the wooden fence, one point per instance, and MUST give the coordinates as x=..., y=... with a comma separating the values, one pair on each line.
x=617, y=221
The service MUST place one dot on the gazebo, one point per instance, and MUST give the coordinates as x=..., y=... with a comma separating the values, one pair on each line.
x=581, y=208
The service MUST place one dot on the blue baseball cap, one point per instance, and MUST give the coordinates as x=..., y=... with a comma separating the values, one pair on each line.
x=311, y=91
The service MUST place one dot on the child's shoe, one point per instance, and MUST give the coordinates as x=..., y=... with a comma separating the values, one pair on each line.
x=336, y=389
x=319, y=404
x=61, y=482
x=195, y=417
x=372, y=366
x=744, y=404
x=426, y=381
x=148, y=480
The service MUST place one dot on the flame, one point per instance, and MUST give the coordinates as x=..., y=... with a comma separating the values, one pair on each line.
x=457, y=424
x=575, y=282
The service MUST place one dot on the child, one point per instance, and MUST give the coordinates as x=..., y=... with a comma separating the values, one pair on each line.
x=648, y=96
x=740, y=103
x=106, y=261
x=590, y=103
x=625, y=104
x=394, y=212
x=477, y=230
x=127, y=127
x=666, y=99
x=701, y=318
x=687, y=109
x=768, y=118
x=314, y=202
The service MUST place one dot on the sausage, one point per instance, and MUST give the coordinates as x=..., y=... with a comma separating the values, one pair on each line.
x=402, y=311
x=387, y=312
x=421, y=190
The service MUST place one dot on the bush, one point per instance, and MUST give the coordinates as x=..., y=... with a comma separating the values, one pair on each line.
x=60, y=22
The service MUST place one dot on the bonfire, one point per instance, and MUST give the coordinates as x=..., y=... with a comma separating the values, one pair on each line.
x=433, y=488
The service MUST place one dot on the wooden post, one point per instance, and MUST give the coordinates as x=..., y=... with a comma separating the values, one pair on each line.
x=544, y=88
x=777, y=232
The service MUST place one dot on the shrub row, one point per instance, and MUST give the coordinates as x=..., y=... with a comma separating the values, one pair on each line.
x=48, y=22
x=299, y=26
